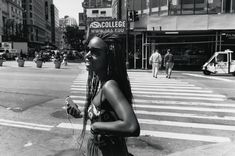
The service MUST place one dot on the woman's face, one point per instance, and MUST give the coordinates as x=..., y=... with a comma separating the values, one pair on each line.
x=96, y=57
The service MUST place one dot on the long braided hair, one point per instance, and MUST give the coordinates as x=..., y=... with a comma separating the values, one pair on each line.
x=116, y=70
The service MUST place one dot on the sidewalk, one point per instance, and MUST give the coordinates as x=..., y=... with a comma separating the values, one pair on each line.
x=220, y=149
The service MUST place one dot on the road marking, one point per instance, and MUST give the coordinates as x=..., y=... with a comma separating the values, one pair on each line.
x=173, y=89
x=25, y=125
x=177, y=93
x=72, y=126
x=170, y=114
x=152, y=87
x=159, y=92
x=170, y=135
x=185, y=115
x=147, y=84
x=178, y=97
x=187, y=124
x=184, y=108
x=158, y=97
x=209, y=77
x=181, y=136
x=200, y=109
x=183, y=103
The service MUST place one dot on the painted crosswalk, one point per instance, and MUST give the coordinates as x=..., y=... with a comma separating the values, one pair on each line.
x=173, y=109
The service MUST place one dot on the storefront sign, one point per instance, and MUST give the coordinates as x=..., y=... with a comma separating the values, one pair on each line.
x=113, y=26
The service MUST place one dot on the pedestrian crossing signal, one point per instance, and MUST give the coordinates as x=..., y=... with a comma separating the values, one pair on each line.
x=136, y=16
x=131, y=17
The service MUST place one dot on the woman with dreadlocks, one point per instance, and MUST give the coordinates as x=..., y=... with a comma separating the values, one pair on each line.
x=109, y=99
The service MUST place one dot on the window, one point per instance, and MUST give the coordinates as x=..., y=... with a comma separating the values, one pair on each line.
x=187, y=6
x=190, y=7
x=214, y=6
x=200, y=6
x=103, y=12
x=95, y=11
x=227, y=6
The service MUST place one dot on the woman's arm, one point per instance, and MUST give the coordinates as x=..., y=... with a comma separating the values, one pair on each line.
x=127, y=125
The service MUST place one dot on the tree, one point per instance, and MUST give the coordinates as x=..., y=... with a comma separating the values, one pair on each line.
x=74, y=37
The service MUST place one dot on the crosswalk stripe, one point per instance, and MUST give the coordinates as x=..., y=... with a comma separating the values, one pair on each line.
x=27, y=125
x=185, y=115
x=178, y=97
x=171, y=135
x=155, y=89
x=177, y=93
x=209, y=77
x=200, y=109
x=184, y=136
x=187, y=125
x=159, y=92
x=183, y=103
x=163, y=97
x=147, y=84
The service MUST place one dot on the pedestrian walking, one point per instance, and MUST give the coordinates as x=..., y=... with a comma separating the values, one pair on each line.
x=109, y=99
x=168, y=63
x=65, y=58
x=155, y=60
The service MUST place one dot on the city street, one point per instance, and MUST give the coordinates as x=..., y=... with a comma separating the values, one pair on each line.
x=189, y=110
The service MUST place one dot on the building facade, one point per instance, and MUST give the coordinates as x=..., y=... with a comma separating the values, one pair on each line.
x=11, y=26
x=97, y=10
x=1, y=22
x=193, y=29
x=38, y=22
x=55, y=26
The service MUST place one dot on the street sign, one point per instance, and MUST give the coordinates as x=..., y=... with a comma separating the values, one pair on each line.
x=112, y=26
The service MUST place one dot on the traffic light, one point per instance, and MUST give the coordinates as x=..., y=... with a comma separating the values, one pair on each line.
x=136, y=16
x=131, y=17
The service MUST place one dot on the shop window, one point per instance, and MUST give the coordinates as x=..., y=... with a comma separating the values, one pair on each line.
x=200, y=6
x=227, y=6
x=174, y=7
x=214, y=6
x=187, y=6
x=159, y=6
x=233, y=6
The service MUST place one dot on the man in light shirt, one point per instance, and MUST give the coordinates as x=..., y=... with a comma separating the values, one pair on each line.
x=155, y=60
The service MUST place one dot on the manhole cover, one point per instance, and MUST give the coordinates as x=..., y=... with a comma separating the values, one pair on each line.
x=61, y=114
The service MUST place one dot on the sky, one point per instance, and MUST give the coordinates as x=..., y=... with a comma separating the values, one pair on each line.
x=69, y=7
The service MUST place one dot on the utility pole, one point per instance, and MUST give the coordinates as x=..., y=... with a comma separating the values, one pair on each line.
x=127, y=34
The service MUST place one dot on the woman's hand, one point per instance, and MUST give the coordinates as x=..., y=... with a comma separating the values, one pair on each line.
x=72, y=108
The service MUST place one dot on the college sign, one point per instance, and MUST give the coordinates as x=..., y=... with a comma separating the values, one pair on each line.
x=112, y=26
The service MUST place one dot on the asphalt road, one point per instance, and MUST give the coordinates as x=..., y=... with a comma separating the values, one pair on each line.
x=33, y=121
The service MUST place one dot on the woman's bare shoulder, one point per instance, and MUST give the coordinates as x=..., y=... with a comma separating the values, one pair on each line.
x=110, y=85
